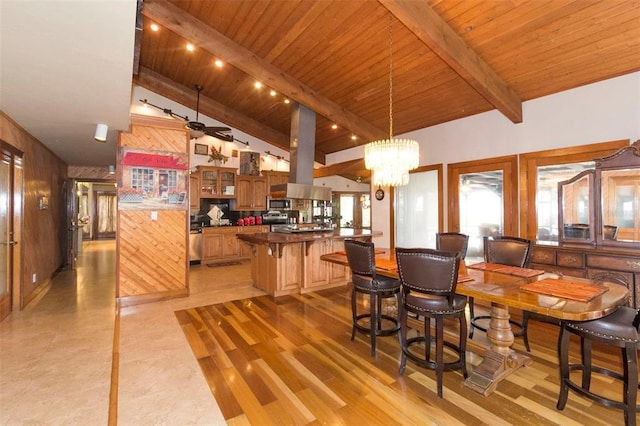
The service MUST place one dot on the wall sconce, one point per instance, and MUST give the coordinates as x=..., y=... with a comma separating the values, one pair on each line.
x=101, y=132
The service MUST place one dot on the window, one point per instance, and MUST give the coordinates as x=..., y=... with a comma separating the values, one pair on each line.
x=418, y=208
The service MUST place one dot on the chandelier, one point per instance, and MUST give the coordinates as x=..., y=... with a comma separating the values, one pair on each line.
x=391, y=159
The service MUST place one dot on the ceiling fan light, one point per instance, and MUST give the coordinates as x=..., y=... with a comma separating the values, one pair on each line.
x=101, y=133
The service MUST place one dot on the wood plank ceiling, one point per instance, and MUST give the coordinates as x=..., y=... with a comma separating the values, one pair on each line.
x=451, y=59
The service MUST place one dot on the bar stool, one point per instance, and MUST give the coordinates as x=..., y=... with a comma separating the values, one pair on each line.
x=512, y=251
x=361, y=258
x=453, y=242
x=429, y=278
x=618, y=329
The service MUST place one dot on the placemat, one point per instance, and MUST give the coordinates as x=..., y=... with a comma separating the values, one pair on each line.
x=506, y=269
x=566, y=289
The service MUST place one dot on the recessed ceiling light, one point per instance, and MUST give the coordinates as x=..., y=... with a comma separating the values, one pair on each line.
x=334, y=126
x=354, y=137
x=154, y=27
x=258, y=85
x=218, y=63
x=190, y=47
x=272, y=93
x=286, y=101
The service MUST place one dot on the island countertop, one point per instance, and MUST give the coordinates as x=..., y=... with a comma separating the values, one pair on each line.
x=286, y=238
x=289, y=263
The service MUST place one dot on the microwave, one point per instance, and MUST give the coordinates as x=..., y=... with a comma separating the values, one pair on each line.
x=279, y=204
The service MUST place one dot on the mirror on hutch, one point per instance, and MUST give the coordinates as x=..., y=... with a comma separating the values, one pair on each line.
x=602, y=206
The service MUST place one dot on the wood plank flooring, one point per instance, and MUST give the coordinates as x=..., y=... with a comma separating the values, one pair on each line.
x=290, y=361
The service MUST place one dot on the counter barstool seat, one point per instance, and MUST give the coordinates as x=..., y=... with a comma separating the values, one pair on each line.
x=361, y=258
x=429, y=278
x=618, y=329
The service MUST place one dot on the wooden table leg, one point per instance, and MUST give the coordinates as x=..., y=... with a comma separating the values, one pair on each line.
x=500, y=360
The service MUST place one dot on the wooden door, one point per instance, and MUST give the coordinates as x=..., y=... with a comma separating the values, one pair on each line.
x=11, y=193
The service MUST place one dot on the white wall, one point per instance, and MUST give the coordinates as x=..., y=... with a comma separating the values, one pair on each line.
x=255, y=145
x=600, y=112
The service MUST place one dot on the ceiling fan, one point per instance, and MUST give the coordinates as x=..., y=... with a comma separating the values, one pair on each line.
x=197, y=128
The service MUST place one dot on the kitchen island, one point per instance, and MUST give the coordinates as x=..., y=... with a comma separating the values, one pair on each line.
x=288, y=263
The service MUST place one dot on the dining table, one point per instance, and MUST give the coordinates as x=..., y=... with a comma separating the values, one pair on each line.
x=550, y=294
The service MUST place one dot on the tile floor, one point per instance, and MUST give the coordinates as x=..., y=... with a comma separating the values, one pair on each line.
x=56, y=354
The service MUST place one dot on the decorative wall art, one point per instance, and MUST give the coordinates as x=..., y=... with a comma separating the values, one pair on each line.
x=249, y=163
x=201, y=149
x=152, y=180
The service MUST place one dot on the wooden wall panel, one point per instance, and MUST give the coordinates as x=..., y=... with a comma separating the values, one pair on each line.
x=44, y=231
x=152, y=259
x=152, y=254
x=155, y=134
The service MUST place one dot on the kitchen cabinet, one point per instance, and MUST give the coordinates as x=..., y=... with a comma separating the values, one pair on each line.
x=220, y=244
x=320, y=274
x=251, y=193
x=245, y=249
x=275, y=178
x=217, y=182
x=194, y=192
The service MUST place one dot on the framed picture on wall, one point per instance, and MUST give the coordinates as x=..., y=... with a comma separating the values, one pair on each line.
x=201, y=149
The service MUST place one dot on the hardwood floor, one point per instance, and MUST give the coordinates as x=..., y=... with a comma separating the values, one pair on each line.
x=290, y=361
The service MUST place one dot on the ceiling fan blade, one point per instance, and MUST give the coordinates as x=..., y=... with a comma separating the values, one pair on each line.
x=221, y=136
x=218, y=129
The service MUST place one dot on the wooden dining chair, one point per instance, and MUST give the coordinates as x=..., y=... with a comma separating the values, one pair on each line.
x=361, y=258
x=429, y=278
x=511, y=251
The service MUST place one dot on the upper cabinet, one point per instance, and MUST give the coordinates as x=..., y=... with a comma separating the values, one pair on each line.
x=251, y=193
x=602, y=206
x=217, y=182
x=275, y=178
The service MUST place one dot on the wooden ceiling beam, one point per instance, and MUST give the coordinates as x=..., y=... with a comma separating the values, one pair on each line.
x=352, y=167
x=205, y=37
x=429, y=27
x=163, y=86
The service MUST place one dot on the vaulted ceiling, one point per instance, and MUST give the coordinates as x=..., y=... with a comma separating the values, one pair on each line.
x=450, y=59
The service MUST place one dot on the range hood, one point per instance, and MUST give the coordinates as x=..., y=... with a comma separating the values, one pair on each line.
x=300, y=191
x=301, y=154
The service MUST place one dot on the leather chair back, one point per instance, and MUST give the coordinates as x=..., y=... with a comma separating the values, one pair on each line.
x=512, y=251
x=452, y=242
x=428, y=271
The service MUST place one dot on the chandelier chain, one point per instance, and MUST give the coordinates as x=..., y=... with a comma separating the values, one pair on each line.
x=390, y=76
